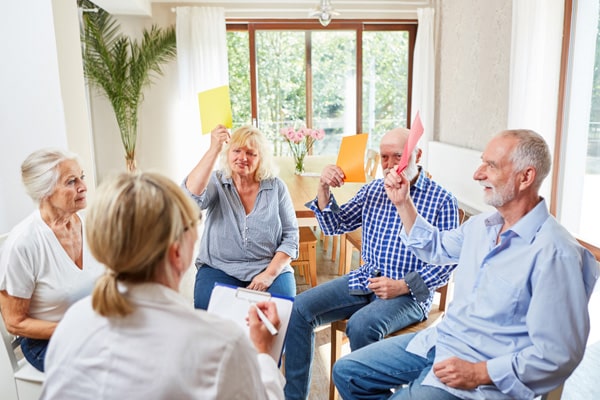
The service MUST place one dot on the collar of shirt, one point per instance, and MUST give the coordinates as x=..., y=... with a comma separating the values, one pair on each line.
x=527, y=226
x=263, y=184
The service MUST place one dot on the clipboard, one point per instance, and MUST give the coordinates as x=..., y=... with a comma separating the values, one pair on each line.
x=232, y=302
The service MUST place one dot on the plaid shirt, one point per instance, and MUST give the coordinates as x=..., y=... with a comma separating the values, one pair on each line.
x=382, y=248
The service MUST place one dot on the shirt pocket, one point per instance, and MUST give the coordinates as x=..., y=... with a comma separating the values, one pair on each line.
x=497, y=299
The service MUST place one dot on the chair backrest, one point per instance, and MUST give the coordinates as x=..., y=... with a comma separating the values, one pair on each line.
x=371, y=163
x=8, y=364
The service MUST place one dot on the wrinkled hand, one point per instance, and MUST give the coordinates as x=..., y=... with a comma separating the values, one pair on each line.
x=461, y=374
x=259, y=334
x=262, y=281
x=332, y=175
x=396, y=186
x=387, y=288
x=218, y=136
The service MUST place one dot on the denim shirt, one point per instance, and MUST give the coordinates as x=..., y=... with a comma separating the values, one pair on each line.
x=242, y=245
x=520, y=305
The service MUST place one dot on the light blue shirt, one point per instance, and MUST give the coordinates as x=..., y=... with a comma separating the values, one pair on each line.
x=520, y=305
x=239, y=244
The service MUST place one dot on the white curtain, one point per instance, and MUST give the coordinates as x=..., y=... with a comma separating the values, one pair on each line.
x=423, y=89
x=536, y=43
x=202, y=65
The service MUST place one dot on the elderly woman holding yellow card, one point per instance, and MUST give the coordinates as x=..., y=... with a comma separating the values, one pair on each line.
x=251, y=231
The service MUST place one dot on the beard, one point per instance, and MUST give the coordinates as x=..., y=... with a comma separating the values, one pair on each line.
x=411, y=171
x=499, y=196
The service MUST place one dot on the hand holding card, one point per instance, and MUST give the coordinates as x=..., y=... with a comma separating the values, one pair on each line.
x=416, y=131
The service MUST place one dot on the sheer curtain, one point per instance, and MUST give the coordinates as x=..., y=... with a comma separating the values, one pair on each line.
x=536, y=43
x=423, y=89
x=202, y=65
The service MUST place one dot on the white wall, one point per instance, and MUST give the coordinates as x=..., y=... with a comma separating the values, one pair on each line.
x=472, y=66
x=165, y=144
x=454, y=169
x=34, y=90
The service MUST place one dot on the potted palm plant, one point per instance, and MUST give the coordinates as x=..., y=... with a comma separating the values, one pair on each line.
x=121, y=67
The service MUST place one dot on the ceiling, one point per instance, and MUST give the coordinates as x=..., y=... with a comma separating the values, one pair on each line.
x=366, y=9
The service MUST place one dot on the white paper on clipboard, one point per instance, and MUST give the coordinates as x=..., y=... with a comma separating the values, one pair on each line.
x=232, y=303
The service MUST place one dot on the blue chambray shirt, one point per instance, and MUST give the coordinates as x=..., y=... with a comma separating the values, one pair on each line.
x=382, y=248
x=520, y=305
x=243, y=245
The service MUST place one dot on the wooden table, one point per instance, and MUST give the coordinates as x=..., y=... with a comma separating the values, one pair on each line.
x=303, y=188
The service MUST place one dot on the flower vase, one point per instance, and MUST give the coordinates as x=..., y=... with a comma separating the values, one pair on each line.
x=299, y=165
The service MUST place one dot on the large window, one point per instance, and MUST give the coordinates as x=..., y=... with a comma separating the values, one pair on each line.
x=293, y=74
x=580, y=145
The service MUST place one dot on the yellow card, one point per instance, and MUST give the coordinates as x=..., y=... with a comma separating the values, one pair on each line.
x=351, y=158
x=215, y=108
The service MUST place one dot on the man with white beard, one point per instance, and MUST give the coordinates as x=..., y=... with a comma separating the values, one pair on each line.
x=393, y=289
x=518, y=324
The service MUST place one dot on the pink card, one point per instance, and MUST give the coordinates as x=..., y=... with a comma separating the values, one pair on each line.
x=416, y=131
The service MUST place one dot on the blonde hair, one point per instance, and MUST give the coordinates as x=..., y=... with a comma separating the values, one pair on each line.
x=130, y=226
x=250, y=136
x=40, y=174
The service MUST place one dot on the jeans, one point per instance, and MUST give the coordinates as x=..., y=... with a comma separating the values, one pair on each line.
x=370, y=373
x=206, y=277
x=371, y=319
x=34, y=351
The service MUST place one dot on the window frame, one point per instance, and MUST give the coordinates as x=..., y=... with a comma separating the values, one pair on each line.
x=359, y=26
x=560, y=139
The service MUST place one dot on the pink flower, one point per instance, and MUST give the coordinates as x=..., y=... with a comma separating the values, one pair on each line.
x=301, y=141
x=291, y=135
x=317, y=134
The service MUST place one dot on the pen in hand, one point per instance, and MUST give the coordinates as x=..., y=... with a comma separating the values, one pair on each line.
x=266, y=320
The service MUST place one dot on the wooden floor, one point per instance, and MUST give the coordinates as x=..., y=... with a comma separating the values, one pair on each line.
x=326, y=270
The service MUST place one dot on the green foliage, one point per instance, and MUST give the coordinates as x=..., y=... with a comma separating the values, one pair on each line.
x=238, y=55
x=280, y=65
x=594, y=132
x=281, y=68
x=122, y=67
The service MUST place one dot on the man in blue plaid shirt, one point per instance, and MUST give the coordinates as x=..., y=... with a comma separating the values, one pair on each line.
x=393, y=289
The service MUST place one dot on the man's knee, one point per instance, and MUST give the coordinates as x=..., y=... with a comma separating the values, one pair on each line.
x=340, y=371
x=362, y=331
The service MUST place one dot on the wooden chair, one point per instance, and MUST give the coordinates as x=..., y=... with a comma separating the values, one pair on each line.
x=351, y=241
x=371, y=163
x=307, y=256
x=555, y=394
x=19, y=380
x=338, y=329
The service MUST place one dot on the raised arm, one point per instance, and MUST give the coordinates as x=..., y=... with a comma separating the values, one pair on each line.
x=197, y=179
x=332, y=175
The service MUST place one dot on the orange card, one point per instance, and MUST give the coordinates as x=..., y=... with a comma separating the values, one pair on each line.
x=351, y=158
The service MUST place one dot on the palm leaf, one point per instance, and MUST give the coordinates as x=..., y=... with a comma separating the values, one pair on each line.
x=122, y=67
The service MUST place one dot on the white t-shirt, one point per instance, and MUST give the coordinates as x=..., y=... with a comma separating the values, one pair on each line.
x=34, y=265
x=165, y=349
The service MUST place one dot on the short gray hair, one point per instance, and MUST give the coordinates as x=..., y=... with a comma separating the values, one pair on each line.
x=39, y=171
x=531, y=150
